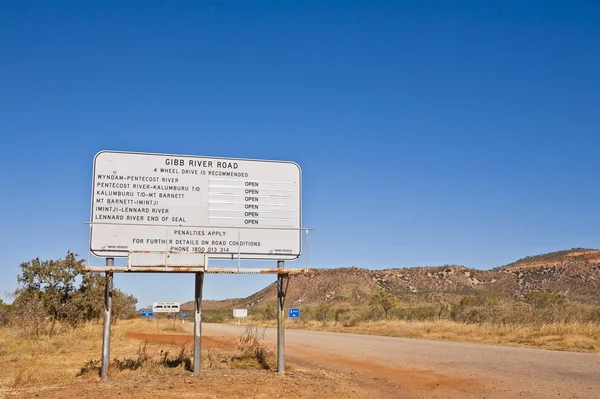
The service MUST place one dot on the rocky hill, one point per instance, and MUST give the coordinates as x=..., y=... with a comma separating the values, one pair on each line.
x=574, y=273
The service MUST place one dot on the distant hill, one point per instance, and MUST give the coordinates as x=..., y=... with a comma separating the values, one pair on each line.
x=574, y=273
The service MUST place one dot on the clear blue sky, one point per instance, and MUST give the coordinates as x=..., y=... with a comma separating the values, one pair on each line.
x=428, y=132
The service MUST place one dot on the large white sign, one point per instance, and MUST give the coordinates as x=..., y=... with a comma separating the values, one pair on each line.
x=165, y=307
x=240, y=313
x=188, y=204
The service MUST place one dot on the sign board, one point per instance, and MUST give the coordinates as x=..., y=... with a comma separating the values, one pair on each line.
x=240, y=313
x=188, y=205
x=294, y=313
x=183, y=315
x=146, y=313
x=165, y=307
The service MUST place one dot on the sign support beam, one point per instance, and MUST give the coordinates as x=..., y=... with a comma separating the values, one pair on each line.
x=281, y=292
x=199, y=282
x=108, y=288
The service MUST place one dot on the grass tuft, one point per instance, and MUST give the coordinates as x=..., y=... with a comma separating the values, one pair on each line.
x=253, y=350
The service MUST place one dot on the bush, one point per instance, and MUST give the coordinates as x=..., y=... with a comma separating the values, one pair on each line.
x=544, y=300
x=268, y=311
x=423, y=313
x=324, y=313
x=6, y=313
x=252, y=348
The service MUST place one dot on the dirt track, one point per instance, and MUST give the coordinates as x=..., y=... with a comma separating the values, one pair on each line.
x=437, y=369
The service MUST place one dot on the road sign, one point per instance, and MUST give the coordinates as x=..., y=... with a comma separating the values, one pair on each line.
x=146, y=313
x=165, y=307
x=188, y=204
x=183, y=314
x=240, y=313
x=294, y=313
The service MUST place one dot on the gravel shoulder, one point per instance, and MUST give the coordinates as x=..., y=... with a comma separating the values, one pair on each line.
x=439, y=369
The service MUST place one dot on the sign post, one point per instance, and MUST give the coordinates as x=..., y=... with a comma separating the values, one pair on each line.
x=198, y=322
x=171, y=213
x=107, y=320
x=281, y=291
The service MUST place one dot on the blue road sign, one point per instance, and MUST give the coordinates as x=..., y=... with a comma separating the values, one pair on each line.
x=294, y=313
x=183, y=314
x=147, y=313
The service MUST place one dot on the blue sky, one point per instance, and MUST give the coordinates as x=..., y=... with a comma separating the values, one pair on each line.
x=428, y=132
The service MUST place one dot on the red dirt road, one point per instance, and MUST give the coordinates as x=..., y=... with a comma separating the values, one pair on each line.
x=439, y=369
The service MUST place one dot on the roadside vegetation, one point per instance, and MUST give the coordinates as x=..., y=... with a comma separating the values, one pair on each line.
x=54, y=294
x=31, y=365
x=538, y=319
x=51, y=334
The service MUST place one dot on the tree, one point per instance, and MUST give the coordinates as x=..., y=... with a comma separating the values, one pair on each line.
x=53, y=281
x=48, y=294
x=386, y=299
x=29, y=307
x=88, y=301
x=123, y=306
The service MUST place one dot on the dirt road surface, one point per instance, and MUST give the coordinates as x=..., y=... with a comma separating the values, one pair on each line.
x=438, y=369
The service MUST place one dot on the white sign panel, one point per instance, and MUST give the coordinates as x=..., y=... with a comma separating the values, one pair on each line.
x=239, y=313
x=188, y=204
x=165, y=307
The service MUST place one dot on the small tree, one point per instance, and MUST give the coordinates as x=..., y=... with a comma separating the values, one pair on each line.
x=29, y=306
x=385, y=299
x=89, y=298
x=53, y=281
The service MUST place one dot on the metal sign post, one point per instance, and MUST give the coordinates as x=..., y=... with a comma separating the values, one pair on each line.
x=107, y=320
x=281, y=291
x=198, y=322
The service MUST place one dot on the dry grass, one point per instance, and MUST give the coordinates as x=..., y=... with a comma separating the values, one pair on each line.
x=577, y=337
x=27, y=363
x=49, y=361
x=161, y=326
x=253, y=350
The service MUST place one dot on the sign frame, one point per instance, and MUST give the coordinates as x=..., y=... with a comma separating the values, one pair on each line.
x=258, y=164
x=199, y=270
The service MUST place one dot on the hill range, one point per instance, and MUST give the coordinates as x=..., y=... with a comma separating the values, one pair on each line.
x=574, y=273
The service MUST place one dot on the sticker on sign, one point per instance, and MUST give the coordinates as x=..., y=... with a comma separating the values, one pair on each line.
x=180, y=204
